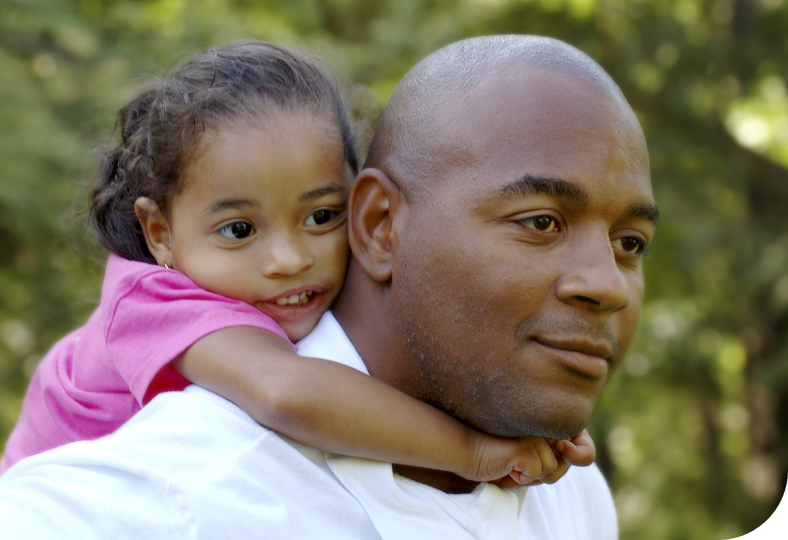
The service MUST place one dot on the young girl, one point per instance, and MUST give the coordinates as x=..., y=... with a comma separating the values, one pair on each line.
x=224, y=208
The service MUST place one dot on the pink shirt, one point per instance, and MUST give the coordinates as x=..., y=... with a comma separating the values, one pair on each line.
x=100, y=375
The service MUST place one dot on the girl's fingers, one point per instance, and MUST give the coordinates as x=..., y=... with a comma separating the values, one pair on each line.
x=579, y=451
x=548, y=459
x=556, y=474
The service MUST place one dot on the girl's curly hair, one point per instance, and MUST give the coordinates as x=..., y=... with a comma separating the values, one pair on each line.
x=163, y=125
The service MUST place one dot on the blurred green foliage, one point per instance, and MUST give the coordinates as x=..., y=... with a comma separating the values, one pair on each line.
x=692, y=432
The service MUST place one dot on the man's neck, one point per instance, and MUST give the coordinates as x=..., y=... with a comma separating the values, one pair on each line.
x=444, y=481
x=366, y=329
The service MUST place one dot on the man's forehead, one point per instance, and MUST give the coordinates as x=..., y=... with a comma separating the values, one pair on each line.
x=548, y=114
x=555, y=100
x=525, y=130
x=516, y=110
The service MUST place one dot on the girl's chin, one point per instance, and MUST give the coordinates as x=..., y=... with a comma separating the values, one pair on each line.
x=298, y=330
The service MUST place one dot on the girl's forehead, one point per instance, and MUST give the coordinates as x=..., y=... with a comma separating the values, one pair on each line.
x=274, y=124
x=273, y=161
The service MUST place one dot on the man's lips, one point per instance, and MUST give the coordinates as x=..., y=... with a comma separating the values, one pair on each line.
x=586, y=356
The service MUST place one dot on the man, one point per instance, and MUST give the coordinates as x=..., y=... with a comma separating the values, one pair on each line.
x=498, y=233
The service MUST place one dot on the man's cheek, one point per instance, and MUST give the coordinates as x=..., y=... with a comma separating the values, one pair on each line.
x=625, y=332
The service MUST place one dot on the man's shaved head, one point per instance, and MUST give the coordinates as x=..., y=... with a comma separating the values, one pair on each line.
x=498, y=233
x=411, y=138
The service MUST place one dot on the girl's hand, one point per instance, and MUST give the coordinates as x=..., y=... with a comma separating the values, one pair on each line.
x=579, y=450
x=510, y=462
x=528, y=461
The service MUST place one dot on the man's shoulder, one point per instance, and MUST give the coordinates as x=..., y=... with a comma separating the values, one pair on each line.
x=185, y=434
x=124, y=485
x=188, y=461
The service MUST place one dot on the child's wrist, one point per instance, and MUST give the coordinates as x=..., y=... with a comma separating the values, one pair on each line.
x=469, y=469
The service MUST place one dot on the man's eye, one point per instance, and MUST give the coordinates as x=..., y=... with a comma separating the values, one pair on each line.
x=237, y=230
x=541, y=223
x=320, y=217
x=630, y=245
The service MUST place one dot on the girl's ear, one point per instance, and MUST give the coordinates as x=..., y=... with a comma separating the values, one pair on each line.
x=375, y=202
x=156, y=230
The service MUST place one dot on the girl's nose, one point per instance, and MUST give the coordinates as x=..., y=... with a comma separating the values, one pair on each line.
x=286, y=256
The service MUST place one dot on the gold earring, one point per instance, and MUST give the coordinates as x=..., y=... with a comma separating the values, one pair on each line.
x=166, y=266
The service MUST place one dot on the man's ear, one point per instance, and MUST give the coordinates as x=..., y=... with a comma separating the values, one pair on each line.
x=374, y=203
x=156, y=230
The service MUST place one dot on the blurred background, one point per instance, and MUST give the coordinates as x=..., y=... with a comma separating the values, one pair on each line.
x=692, y=434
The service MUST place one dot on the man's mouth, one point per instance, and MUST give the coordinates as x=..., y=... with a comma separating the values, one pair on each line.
x=300, y=299
x=591, y=359
x=589, y=347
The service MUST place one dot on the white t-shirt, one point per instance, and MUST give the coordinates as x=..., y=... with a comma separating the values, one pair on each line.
x=193, y=465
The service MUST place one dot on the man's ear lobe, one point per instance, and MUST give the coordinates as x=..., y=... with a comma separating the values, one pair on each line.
x=156, y=230
x=374, y=203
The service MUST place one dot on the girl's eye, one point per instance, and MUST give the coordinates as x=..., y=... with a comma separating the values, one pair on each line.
x=320, y=217
x=237, y=230
x=630, y=245
x=541, y=223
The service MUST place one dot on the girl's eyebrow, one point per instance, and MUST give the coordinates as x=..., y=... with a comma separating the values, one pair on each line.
x=225, y=204
x=330, y=189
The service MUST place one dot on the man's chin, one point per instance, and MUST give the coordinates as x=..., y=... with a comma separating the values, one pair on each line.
x=549, y=422
x=566, y=431
x=547, y=429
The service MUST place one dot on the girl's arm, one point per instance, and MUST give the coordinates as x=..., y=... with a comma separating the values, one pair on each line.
x=338, y=409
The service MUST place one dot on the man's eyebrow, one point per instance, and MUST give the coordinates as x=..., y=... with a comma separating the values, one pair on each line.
x=229, y=204
x=552, y=187
x=644, y=211
x=322, y=192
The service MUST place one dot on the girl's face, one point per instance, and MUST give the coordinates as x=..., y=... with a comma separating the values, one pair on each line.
x=262, y=218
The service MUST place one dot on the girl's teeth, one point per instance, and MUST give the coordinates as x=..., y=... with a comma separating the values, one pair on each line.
x=295, y=299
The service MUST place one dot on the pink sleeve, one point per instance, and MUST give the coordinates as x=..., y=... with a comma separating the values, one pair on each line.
x=159, y=316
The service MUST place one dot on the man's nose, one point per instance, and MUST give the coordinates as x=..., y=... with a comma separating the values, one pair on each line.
x=594, y=278
x=286, y=255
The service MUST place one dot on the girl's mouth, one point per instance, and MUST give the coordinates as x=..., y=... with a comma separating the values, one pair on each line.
x=295, y=299
x=296, y=306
